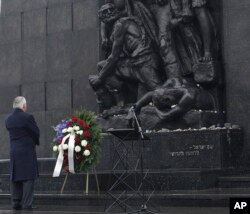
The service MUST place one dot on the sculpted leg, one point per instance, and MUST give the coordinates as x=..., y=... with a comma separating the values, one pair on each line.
x=206, y=29
x=149, y=74
x=168, y=52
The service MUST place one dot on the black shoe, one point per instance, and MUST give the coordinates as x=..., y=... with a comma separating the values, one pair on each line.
x=30, y=208
x=17, y=207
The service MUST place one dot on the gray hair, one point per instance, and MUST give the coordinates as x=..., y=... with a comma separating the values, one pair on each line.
x=19, y=102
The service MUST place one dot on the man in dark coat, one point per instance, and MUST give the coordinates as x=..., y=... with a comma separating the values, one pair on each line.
x=24, y=136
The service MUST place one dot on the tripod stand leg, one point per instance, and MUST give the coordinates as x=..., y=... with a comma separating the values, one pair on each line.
x=64, y=183
x=87, y=183
x=97, y=182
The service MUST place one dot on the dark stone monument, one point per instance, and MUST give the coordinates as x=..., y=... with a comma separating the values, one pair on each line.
x=162, y=62
x=171, y=63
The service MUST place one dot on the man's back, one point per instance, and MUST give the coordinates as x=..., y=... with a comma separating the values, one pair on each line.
x=24, y=135
x=22, y=127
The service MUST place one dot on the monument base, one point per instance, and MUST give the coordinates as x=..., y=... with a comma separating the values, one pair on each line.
x=174, y=160
x=216, y=148
x=150, y=121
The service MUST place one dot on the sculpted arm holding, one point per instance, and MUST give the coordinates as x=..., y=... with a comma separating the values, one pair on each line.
x=108, y=68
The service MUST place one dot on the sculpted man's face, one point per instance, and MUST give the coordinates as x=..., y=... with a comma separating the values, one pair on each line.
x=108, y=13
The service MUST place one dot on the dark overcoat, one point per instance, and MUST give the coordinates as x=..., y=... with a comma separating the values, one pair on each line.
x=24, y=136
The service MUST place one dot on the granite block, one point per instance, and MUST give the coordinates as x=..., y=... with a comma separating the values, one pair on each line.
x=59, y=56
x=28, y=5
x=35, y=96
x=235, y=4
x=34, y=60
x=238, y=105
x=238, y=34
x=59, y=18
x=8, y=94
x=237, y=87
x=83, y=10
x=85, y=55
x=53, y=2
x=34, y=24
x=58, y=95
x=10, y=64
x=10, y=28
x=11, y=6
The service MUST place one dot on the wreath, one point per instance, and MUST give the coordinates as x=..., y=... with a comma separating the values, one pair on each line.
x=77, y=142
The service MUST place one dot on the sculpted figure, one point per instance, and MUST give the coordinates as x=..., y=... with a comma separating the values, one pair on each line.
x=132, y=59
x=106, y=27
x=162, y=12
x=174, y=99
x=199, y=9
x=142, y=38
x=135, y=8
x=206, y=26
x=181, y=46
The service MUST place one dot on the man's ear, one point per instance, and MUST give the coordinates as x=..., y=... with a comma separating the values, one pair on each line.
x=24, y=107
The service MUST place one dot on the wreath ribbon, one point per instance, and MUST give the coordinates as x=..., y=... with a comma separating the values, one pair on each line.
x=71, y=150
x=71, y=147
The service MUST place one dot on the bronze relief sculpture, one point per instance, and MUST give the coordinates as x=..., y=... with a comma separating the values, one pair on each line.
x=159, y=52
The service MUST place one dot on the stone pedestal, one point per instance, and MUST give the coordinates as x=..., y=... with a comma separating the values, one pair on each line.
x=196, y=157
x=197, y=149
x=191, y=159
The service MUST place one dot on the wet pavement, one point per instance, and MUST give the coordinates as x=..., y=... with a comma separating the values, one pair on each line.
x=71, y=210
x=210, y=201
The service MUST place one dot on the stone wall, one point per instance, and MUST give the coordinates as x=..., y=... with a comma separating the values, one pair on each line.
x=236, y=54
x=47, y=50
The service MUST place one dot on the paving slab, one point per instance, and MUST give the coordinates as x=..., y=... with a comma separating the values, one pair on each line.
x=172, y=210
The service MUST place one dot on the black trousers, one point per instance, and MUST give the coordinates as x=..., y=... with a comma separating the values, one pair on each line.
x=22, y=193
